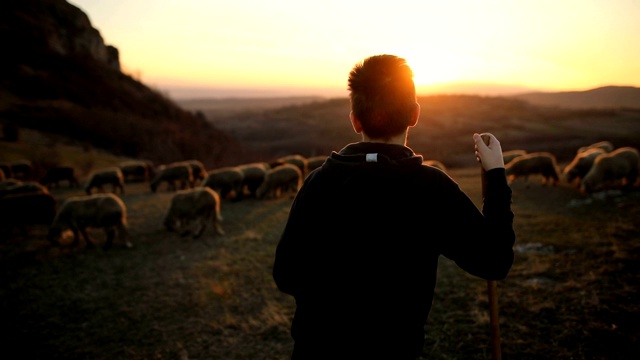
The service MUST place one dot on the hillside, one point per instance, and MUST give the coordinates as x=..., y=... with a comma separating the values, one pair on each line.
x=443, y=131
x=57, y=76
x=602, y=97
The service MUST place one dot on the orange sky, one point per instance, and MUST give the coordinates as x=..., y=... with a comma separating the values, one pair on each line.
x=288, y=47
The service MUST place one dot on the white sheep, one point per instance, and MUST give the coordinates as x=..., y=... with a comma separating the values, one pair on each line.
x=509, y=155
x=78, y=213
x=24, y=187
x=5, y=167
x=536, y=163
x=135, y=170
x=54, y=175
x=226, y=181
x=171, y=173
x=198, y=170
x=99, y=178
x=581, y=164
x=280, y=179
x=621, y=165
x=26, y=209
x=200, y=204
x=7, y=183
x=296, y=159
x=253, y=175
x=22, y=169
x=607, y=146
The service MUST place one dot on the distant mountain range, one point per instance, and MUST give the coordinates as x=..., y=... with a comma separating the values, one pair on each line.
x=602, y=97
x=606, y=97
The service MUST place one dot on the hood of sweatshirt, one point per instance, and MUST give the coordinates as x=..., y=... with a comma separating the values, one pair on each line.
x=363, y=153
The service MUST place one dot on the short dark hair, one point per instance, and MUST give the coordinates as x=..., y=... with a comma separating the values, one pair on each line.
x=383, y=95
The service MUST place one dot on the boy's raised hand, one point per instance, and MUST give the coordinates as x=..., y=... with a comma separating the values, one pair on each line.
x=490, y=156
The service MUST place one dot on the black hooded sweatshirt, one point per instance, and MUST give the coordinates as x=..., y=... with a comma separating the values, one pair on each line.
x=360, y=249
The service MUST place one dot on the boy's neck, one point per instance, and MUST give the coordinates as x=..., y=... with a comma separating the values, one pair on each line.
x=400, y=139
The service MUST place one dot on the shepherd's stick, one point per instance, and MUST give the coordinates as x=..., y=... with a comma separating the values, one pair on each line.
x=492, y=285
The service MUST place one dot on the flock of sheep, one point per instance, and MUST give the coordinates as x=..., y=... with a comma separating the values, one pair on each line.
x=594, y=168
x=198, y=192
x=196, y=199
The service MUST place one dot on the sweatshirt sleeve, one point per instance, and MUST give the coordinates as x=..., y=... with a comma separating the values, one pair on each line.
x=482, y=244
x=289, y=257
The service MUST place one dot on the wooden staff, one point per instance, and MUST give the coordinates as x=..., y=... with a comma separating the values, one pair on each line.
x=492, y=285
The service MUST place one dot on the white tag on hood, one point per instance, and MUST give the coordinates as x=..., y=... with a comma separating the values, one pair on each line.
x=373, y=157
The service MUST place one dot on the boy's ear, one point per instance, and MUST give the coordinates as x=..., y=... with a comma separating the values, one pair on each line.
x=357, y=126
x=416, y=116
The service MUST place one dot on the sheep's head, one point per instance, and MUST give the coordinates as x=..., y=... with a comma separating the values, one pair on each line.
x=54, y=234
x=590, y=184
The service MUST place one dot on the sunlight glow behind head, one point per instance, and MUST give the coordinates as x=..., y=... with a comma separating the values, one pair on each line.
x=545, y=44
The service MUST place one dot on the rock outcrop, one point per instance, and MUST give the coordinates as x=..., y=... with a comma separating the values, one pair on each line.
x=55, y=26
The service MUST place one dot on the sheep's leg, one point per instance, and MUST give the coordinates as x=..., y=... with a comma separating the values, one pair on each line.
x=83, y=231
x=76, y=237
x=111, y=232
x=183, y=224
x=169, y=223
x=200, y=228
x=123, y=233
x=216, y=224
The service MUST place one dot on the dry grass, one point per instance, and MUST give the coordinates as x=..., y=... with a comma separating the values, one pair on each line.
x=572, y=293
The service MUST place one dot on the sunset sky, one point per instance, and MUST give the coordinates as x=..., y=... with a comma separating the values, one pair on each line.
x=194, y=48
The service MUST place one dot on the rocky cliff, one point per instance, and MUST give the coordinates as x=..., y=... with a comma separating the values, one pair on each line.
x=53, y=26
x=58, y=76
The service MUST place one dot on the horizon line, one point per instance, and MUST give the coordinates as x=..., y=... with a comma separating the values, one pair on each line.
x=190, y=92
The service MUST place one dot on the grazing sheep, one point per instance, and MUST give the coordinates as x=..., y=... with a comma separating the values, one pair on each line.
x=580, y=165
x=297, y=160
x=6, y=170
x=24, y=187
x=54, y=175
x=21, y=211
x=621, y=165
x=199, y=172
x=226, y=181
x=436, y=164
x=22, y=169
x=7, y=183
x=170, y=173
x=134, y=171
x=509, y=155
x=607, y=146
x=77, y=213
x=542, y=163
x=315, y=162
x=99, y=178
x=200, y=204
x=280, y=179
x=252, y=177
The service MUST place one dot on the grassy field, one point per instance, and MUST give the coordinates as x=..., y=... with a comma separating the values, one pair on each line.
x=572, y=293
